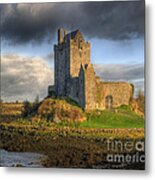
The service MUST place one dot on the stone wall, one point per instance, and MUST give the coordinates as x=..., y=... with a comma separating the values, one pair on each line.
x=116, y=93
x=90, y=87
x=62, y=68
x=79, y=54
x=74, y=89
x=81, y=86
x=60, y=74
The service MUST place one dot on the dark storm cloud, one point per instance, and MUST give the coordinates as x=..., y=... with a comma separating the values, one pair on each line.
x=22, y=23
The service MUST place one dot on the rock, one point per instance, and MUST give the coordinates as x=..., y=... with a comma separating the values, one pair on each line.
x=19, y=165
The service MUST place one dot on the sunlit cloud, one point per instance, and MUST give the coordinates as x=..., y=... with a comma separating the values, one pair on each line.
x=24, y=77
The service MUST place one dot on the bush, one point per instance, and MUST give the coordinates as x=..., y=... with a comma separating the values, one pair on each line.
x=30, y=108
x=57, y=110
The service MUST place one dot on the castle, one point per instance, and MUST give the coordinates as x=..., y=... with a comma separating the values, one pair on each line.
x=74, y=76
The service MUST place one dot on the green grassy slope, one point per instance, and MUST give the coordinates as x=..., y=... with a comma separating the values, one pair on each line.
x=123, y=118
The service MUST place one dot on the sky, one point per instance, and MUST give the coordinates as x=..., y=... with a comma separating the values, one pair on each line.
x=115, y=30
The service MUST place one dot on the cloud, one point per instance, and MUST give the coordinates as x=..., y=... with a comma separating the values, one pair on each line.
x=115, y=20
x=124, y=72
x=24, y=77
x=133, y=73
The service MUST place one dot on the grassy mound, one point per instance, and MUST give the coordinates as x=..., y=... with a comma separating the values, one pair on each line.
x=65, y=112
x=58, y=110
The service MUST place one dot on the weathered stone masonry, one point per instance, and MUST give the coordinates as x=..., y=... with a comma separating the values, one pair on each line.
x=75, y=76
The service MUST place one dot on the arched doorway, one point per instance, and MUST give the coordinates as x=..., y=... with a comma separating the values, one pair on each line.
x=108, y=102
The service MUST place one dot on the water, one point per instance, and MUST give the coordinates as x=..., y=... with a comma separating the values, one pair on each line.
x=20, y=159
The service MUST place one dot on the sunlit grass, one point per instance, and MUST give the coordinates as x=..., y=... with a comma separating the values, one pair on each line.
x=109, y=119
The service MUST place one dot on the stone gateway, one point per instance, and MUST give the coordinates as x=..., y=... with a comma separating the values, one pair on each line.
x=74, y=76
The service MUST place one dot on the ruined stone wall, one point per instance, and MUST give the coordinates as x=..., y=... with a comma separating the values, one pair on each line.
x=120, y=92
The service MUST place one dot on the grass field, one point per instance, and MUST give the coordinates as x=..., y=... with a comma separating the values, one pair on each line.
x=123, y=118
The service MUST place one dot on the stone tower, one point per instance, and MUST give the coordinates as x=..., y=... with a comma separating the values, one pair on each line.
x=70, y=53
x=75, y=76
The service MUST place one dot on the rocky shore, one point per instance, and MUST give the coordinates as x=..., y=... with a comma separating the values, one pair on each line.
x=70, y=147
